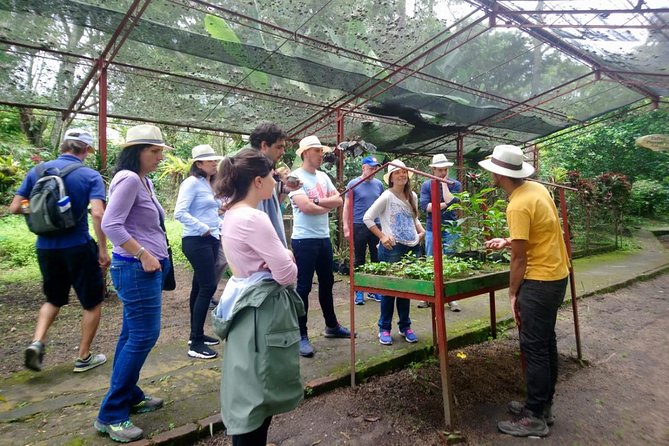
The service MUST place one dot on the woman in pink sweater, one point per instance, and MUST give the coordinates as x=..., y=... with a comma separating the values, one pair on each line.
x=258, y=312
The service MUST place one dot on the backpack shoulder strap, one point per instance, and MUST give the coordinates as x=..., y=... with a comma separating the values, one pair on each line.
x=69, y=168
x=40, y=170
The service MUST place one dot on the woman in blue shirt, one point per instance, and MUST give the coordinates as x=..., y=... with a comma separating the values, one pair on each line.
x=197, y=209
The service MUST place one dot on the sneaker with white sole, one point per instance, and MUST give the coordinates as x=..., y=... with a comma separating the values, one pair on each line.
x=516, y=408
x=201, y=351
x=409, y=336
x=423, y=304
x=34, y=355
x=385, y=338
x=148, y=404
x=373, y=296
x=124, y=432
x=454, y=307
x=82, y=365
x=359, y=298
x=306, y=349
x=208, y=340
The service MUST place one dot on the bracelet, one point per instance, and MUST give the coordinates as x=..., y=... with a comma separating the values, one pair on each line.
x=139, y=253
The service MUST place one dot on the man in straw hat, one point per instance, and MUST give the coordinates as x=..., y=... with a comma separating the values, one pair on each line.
x=440, y=165
x=71, y=259
x=311, y=237
x=537, y=284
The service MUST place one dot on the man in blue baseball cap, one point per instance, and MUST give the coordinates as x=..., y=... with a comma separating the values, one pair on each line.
x=364, y=195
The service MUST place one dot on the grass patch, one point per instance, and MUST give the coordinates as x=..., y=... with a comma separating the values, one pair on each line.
x=18, y=258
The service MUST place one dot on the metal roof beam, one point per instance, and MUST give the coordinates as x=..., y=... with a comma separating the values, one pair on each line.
x=115, y=43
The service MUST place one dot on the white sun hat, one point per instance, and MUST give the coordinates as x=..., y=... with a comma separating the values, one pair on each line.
x=144, y=134
x=391, y=169
x=440, y=160
x=311, y=142
x=204, y=152
x=507, y=160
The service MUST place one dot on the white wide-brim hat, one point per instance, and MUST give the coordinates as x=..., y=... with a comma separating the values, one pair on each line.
x=391, y=169
x=440, y=160
x=204, y=152
x=311, y=142
x=81, y=136
x=507, y=160
x=144, y=134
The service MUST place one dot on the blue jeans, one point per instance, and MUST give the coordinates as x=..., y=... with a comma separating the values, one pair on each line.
x=315, y=255
x=141, y=294
x=388, y=302
x=539, y=302
x=447, y=240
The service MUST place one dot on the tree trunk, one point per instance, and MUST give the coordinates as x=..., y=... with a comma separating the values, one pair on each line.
x=32, y=126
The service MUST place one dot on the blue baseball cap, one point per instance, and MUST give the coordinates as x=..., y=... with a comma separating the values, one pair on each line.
x=371, y=161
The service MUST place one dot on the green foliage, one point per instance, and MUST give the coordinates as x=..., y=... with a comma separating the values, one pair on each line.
x=482, y=216
x=18, y=259
x=649, y=198
x=421, y=268
x=609, y=147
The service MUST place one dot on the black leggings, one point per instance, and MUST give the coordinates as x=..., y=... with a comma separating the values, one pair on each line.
x=257, y=437
x=202, y=253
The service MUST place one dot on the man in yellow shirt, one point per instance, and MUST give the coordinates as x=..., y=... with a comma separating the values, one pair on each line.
x=537, y=284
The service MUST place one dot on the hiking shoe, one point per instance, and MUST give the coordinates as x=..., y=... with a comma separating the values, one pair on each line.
x=201, y=351
x=208, y=340
x=337, y=332
x=423, y=304
x=82, y=365
x=454, y=307
x=409, y=336
x=525, y=425
x=373, y=296
x=385, y=338
x=34, y=356
x=124, y=432
x=306, y=349
x=516, y=408
x=148, y=404
x=359, y=298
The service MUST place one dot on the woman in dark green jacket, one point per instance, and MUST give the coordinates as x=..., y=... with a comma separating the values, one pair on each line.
x=258, y=312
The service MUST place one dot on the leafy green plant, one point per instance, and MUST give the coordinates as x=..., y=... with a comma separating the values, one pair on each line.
x=482, y=216
x=421, y=268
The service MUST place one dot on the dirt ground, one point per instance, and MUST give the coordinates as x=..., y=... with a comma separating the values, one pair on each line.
x=20, y=303
x=615, y=396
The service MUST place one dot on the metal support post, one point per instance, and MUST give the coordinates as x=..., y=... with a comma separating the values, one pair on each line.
x=102, y=115
x=438, y=308
x=572, y=285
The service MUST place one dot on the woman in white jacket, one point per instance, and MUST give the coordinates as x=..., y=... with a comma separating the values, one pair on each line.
x=400, y=233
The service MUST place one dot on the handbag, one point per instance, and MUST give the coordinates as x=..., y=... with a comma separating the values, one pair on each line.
x=169, y=282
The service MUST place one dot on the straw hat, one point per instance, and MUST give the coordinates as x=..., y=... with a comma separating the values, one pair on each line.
x=204, y=152
x=507, y=160
x=440, y=161
x=144, y=134
x=81, y=136
x=391, y=169
x=311, y=142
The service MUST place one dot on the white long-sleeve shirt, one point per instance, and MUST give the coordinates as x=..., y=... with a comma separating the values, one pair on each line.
x=396, y=216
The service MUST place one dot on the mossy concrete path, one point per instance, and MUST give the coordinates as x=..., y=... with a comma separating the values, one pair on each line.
x=58, y=407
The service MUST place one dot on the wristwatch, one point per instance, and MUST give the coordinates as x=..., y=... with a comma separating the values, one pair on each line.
x=316, y=201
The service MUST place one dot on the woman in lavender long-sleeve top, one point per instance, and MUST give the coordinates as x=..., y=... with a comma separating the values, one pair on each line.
x=139, y=262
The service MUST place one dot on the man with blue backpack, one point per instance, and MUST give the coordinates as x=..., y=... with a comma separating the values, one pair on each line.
x=54, y=197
